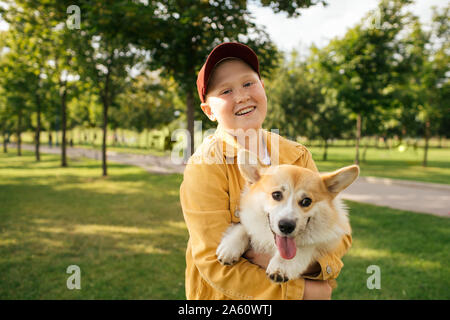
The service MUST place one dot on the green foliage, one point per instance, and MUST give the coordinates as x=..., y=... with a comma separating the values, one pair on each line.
x=150, y=102
x=133, y=65
x=292, y=8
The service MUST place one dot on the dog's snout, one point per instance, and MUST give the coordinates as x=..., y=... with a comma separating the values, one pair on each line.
x=286, y=226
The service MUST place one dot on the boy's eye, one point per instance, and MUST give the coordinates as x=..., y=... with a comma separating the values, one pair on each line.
x=226, y=91
x=248, y=84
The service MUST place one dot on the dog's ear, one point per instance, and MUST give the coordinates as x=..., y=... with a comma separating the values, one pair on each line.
x=340, y=179
x=249, y=165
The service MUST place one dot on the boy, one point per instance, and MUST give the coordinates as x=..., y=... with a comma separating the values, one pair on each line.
x=232, y=93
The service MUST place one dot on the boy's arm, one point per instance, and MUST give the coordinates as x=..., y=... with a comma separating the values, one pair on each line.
x=330, y=265
x=205, y=203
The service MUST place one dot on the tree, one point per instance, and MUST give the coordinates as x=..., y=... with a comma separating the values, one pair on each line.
x=292, y=98
x=436, y=79
x=330, y=119
x=44, y=46
x=191, y=29
x=365, y=61
x=149, y=103
x=17, y=79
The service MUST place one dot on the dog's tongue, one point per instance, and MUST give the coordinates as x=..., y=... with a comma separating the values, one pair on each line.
x=286, y=247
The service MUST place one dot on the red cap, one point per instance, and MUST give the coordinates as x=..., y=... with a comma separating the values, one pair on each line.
x=222, y=51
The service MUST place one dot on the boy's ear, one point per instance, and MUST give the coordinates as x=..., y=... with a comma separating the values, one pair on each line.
x=249, y=165
x=340, y=179
x=207, y=110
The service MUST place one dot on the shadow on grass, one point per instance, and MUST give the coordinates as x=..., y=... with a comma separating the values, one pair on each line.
x=126, y=233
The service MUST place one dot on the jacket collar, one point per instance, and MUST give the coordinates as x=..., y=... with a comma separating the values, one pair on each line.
x=281, y=150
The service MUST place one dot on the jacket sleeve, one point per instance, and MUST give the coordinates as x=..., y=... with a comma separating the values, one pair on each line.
x=330, y=264
x=205, y=203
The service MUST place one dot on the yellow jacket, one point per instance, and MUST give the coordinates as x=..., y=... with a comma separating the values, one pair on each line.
x=209, y=198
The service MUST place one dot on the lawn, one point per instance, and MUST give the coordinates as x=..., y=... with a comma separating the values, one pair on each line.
x=390, y=163
x=126, y=233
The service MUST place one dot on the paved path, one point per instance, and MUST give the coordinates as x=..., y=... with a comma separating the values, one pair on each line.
x=401, y=194
x=153, y=164
x=398, y=194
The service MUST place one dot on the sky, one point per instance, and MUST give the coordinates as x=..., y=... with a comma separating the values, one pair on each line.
x=320, y=24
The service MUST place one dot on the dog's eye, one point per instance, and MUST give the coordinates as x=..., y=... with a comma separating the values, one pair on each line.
x=277, y=195
x=306, y=202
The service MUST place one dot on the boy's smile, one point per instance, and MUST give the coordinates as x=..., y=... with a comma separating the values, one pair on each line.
x=236, y=96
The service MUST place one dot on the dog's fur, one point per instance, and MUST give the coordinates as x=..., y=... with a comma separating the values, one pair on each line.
x=317, y=228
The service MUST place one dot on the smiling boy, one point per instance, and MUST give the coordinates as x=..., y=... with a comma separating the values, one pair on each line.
x=232, y=93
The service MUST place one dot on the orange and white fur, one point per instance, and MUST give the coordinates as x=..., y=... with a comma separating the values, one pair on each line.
x=289, y=212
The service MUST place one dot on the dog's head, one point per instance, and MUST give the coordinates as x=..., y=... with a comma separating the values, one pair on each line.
x=298, y=202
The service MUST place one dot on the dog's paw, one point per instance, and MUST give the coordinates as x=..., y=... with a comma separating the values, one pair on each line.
x=226, y=255
x=276, y=272
x=277, y=276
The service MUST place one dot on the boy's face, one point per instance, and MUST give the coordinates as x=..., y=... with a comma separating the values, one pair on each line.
x=236, y=96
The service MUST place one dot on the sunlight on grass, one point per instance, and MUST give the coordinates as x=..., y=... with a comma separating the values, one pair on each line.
x=368, y=253
x=143, y=248
x=114, y=230
x=402, y=259
x=8, y=242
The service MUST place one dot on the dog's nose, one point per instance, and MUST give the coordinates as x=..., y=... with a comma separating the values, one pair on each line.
x=286, y=226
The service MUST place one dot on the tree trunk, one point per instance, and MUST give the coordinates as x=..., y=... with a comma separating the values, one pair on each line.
x=50, y=137
x=5, y=145
x=19, y=128
x=325, y=151
x=190, y=121
x=358, y=137
x=105, y=124
x=38, y=129
x=365, y=151
x=63, y=127
x=427, y=138
x=106, y=99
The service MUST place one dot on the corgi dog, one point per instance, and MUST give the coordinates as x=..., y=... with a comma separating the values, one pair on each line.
x=288, y=212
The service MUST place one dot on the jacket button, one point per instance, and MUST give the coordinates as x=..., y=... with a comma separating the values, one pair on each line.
x=236, y=213
x=329, y=270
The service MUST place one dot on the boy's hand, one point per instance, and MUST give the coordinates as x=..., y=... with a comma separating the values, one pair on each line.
x=259, y=259
x=313, y=270
x=317, y=290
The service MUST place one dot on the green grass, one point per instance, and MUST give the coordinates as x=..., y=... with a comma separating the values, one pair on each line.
x=126, y=233
x=411, y=249
x=393, y=163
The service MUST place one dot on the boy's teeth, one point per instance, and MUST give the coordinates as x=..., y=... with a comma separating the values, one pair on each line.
x=244, y=111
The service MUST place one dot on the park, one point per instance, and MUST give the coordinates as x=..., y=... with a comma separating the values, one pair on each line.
x=92, y=97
